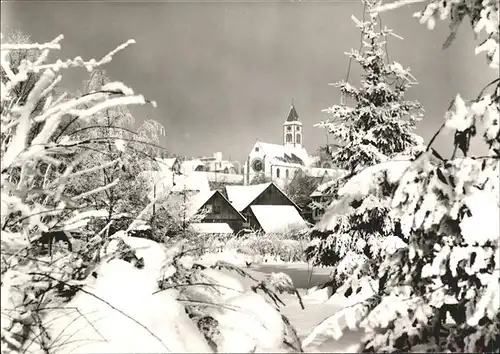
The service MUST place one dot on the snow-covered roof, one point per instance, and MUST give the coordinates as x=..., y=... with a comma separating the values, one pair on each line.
x=224, y=177
x=211, y=228
x=196, y=201
x=166, y=182
x=191, y=165
x=162, y=180
x=166, y=164
x=192, y=181
x=170, y=161
x=285, y=154
x=278, y=218
x=242, y=196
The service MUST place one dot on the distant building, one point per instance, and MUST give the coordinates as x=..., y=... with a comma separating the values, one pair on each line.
x=171, y=177
x=215, y=163
x=280, y=163
x=220, y=171
x=194, y=165
x=171, y=163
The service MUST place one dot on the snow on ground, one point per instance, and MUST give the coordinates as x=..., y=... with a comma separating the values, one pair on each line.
x=128, y=319
x=238, y=258
x=318, y=306
x=122, y=328
x=316, y=310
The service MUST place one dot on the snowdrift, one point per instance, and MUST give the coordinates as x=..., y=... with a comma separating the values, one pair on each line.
x=121, y=310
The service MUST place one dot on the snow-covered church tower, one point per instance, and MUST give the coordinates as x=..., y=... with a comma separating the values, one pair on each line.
x=292, y=129
x=279, y=162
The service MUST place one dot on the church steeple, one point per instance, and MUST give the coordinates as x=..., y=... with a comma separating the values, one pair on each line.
x=292, y=116
x=292, y=128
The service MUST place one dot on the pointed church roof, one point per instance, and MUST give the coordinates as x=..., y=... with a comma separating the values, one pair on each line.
x=292, y=116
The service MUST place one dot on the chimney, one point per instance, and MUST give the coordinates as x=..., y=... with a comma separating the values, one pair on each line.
x=218, y=156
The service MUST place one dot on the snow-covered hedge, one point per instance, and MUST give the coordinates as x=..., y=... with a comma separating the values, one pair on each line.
x=277, y=246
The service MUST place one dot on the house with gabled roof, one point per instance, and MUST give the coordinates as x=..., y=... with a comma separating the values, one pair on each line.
x=192, y=165
x=265, y=207
x=212, y=207
x=171, y=163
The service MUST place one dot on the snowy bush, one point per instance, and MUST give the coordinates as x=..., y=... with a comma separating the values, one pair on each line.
x=373, y=132
x=441, y=293
x=272, y=246
x=113, y=293
x=36, y=170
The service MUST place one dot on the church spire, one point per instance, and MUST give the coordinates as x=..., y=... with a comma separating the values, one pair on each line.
x=292, y=115
x=292, y=128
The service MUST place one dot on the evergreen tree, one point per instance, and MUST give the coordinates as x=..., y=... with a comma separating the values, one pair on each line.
x=441, y=293
x=379, y=125
x=376, y=129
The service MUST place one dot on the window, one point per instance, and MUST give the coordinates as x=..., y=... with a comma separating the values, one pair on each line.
x=289, y=128
x=257, y=148
x=297, y=138
x=287, y=174
x=289, y=138
x=298, y=128
x=216, y=209
x=277, y=173
x=257, y=165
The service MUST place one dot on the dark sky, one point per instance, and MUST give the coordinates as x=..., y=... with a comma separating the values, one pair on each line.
x=224, y=73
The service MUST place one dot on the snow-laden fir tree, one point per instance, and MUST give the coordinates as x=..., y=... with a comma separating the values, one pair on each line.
x=375, y=129
x=441, y=293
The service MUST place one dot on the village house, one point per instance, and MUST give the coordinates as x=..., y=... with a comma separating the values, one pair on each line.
x=172, y=163
x=193, y=165
x=215, y=169
x=172, y=178
x=265, y=207
x=213, y=208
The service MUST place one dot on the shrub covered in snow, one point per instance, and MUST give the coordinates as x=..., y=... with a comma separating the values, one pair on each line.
x=113, y=293
x=280, y=247
x=441, y=293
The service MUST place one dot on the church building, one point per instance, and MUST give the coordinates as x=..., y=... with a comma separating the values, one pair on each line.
x=279, y=163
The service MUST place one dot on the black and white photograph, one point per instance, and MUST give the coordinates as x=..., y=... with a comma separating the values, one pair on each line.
x=250, y=176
